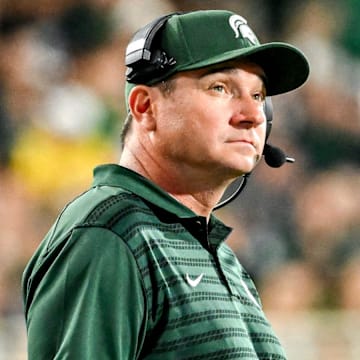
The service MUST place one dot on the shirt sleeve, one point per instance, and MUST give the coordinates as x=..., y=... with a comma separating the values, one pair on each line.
x=90, y=304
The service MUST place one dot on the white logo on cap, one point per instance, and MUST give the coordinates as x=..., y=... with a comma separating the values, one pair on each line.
x=240, y=26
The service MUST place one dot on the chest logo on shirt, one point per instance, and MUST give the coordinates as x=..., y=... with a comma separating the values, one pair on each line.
x=248, y=292
x=193, y=282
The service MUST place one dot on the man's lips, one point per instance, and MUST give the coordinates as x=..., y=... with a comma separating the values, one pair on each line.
x=242, y=141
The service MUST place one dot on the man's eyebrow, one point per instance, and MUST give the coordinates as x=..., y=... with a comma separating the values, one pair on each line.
x=227, y=69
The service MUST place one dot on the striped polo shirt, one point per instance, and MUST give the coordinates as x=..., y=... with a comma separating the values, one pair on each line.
x=128, y=272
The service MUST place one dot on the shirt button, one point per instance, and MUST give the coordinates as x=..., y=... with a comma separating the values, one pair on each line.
x=198, y=224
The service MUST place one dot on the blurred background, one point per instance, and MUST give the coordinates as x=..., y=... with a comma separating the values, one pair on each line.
x=297, y=228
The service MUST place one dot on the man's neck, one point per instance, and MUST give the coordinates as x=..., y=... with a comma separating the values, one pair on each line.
x=193, y=191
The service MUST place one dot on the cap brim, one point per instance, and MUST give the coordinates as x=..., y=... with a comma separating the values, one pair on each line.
x=286, y=68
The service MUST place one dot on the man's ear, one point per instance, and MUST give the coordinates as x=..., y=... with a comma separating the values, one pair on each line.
x=140, y=104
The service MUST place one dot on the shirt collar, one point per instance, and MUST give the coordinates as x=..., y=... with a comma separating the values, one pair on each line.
x=118, y=176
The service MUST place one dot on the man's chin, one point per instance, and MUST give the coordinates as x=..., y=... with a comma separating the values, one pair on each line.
x=248, y=165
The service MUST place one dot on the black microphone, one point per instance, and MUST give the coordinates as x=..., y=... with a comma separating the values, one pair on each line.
x=275, y=157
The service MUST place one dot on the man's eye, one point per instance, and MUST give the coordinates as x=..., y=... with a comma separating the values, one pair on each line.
x=259, y=97
x=219, y=88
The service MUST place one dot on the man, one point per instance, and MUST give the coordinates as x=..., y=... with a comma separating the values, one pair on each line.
x=137, y=267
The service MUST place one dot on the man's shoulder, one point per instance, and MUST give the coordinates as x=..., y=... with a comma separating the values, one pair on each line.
x=100, y=206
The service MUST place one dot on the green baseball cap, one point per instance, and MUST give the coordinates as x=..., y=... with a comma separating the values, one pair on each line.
x=203, y=38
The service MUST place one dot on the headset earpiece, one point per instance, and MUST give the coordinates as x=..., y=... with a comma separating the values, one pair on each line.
x=268, y=110
x=145, y=60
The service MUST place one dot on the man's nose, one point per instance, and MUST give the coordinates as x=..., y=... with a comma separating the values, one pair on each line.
x=248, y=111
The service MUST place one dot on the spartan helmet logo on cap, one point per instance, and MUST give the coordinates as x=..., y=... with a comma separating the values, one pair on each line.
x=240, y=26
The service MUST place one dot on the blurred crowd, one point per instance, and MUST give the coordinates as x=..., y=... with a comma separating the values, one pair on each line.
x=61, y=110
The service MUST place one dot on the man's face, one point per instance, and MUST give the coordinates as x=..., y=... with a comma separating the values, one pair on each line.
x=213, y=120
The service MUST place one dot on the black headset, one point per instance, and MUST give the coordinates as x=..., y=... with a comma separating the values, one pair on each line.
x=144, y=58
x=147, y=63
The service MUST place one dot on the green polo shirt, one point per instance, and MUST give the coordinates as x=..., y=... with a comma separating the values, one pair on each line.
x=128, y=272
